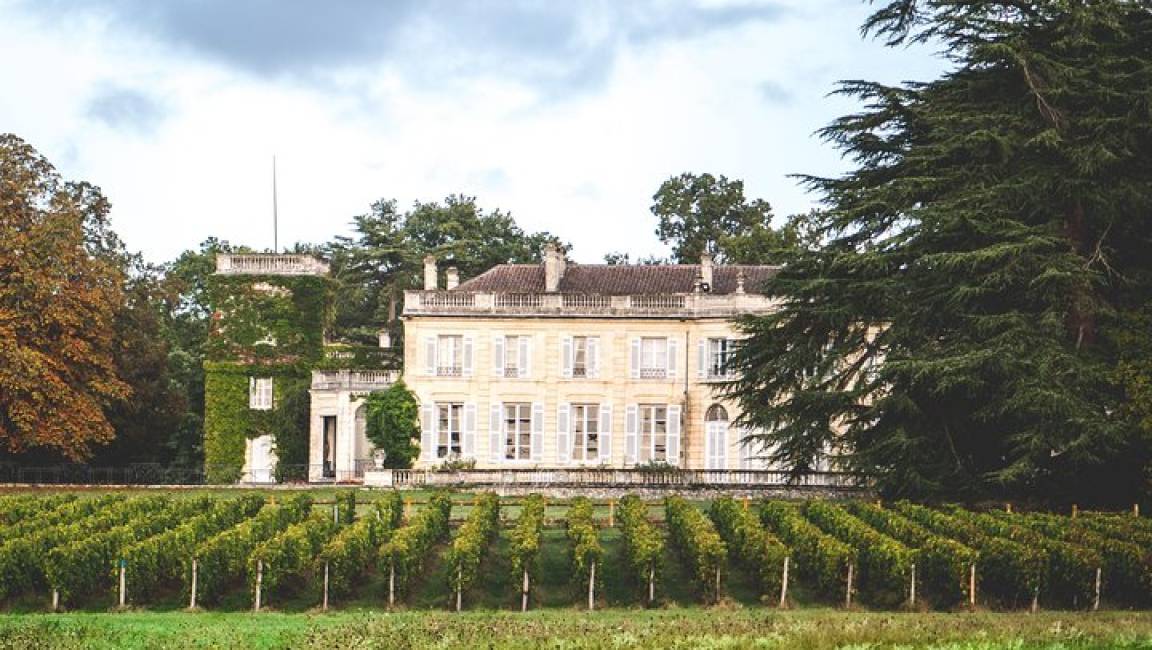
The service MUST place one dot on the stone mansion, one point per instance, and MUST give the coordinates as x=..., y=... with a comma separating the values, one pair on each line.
x=551, y=365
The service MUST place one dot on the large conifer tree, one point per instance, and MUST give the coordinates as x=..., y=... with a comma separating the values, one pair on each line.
x=988, y=250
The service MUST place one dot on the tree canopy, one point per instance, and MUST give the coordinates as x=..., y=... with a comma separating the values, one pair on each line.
x=967, y=325
x=59, y=297
x=702, y=213
x=385, y=256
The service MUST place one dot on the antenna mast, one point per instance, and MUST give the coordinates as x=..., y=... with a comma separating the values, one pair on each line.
x=275, y=212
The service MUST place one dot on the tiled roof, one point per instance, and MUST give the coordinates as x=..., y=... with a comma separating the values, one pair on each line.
x=616, y=280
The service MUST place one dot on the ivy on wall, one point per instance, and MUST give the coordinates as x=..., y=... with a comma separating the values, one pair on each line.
x=264, y=326
x=268, y=318
x=228, y=420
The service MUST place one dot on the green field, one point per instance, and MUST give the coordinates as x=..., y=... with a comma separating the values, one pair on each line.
x=667, y=628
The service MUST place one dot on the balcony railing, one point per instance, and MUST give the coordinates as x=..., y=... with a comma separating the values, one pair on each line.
x=269, y=264
x=560, y=304
x=353, y=379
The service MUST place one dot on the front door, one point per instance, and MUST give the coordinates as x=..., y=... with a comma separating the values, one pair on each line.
x=329, y=446
x=716, y=445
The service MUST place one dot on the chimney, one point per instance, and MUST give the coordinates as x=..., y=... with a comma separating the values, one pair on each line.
x=453, y=278
x=740, y=281
x=429, y=272
x=706, y=270
x=553, y=267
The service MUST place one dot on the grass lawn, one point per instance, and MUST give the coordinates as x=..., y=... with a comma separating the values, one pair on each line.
x=617, y=628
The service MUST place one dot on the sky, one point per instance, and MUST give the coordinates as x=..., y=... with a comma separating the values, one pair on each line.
x=568, y=114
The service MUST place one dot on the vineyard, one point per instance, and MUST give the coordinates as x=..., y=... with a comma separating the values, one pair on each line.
x=462, y=551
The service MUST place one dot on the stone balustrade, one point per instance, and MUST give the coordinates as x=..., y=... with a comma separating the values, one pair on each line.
x=269, y=264
x=687, y=305
x=363, y=380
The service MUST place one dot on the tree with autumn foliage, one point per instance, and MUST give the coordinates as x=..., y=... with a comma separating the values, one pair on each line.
x=60, y=289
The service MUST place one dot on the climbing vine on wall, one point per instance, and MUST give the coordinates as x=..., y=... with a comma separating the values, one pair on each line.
x=264, y=326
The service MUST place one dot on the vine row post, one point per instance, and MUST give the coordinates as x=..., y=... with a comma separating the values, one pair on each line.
x=392, y=583
x=912, y=589
x=651, y=585
x=324, y=606
x=123, y=585
x=592, y=587
x=1096, y=600
x=784, y=582
x=192, y=599
x=848, y=590
x=459, y=589
x=259, y=583
x=972, y=585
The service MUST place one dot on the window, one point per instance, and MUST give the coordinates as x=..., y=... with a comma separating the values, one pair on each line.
x=653, y=358
x=512, y=351
x=517, y=431
x=260, y=393
x=653, y=433
x=719, y=356
x=449, y=425
x=580, y=356
x=585, y=432
x=449, y=355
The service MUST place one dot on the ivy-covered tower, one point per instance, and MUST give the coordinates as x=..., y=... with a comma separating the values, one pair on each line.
x=270, y=314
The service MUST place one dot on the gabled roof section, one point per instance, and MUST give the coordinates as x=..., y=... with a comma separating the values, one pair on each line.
x=617, y=280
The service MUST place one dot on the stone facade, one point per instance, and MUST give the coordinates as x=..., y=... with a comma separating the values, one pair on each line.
x=560, y=365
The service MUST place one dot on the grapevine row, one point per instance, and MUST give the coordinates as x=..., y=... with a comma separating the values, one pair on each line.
x=699, y=544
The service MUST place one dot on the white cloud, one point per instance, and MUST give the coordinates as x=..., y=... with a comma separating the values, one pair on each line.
x=579, y=160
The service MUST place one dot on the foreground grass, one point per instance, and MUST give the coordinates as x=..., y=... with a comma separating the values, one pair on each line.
x=668, y=628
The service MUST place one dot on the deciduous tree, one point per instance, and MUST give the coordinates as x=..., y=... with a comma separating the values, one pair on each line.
x=59, y=293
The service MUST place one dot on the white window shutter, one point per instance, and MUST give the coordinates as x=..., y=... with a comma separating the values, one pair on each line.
x=673, y=356
x=674, y=434
x=252, y=392
x=495, y=431
x=563, y=433
x=566, y=357
x=631, y=434
x=635, y=357
x=702, y=358
x=525, y=356
x=592, y=356
x=468, y=444
x=467, y=365
x=605, y=433
x=537, y=447
x=430, y=356
x=428, y=432
x=498, y=356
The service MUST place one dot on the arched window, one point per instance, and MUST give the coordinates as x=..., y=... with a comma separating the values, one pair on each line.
x=716, y=413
